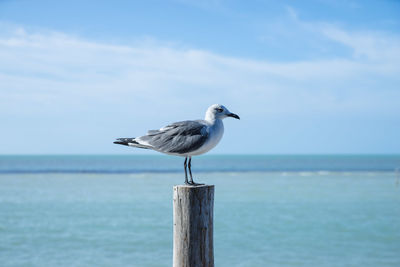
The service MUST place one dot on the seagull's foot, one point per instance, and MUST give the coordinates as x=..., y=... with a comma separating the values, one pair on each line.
x=194, y=184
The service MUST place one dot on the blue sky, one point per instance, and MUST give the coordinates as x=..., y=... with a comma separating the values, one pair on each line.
x=320, y=77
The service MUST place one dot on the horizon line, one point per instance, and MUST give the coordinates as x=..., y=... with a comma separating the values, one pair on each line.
x=228, y=154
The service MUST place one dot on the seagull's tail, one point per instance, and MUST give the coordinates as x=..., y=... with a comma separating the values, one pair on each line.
x=130, y=142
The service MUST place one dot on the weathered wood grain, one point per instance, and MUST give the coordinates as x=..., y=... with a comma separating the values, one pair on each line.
x=193, y=226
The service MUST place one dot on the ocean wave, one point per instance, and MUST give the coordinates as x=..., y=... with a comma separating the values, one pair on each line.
x=143, y=171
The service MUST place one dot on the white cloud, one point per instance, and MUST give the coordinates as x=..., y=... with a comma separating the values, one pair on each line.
x=50, y=71
x=372, y=45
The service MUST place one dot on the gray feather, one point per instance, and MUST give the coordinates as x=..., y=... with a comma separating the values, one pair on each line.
x=180, y=137
x=129, y=142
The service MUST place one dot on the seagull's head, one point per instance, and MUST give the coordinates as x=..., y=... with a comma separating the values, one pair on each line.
x=218, y=111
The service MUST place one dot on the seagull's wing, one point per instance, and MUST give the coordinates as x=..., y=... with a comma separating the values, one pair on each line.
x=179, y=137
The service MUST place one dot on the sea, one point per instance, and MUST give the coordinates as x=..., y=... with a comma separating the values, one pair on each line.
x=270, y=210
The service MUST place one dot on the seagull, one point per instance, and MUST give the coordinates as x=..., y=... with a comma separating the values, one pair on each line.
x=185, y=138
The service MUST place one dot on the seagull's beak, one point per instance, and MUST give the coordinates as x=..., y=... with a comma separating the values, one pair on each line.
x=233, y=115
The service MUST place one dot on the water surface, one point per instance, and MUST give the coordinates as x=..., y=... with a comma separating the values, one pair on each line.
x=75, y=214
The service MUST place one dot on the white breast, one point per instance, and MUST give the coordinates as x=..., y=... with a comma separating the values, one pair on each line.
x=215, y=133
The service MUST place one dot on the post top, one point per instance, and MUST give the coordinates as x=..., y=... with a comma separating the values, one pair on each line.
x=192, y=186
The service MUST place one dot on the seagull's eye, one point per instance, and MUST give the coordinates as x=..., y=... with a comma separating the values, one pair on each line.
x=220, y=110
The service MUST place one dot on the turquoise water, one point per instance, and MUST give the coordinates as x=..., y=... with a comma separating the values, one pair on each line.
x=214, y=163
x=307, y=217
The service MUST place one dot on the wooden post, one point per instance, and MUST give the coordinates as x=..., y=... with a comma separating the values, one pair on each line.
x=193, y=226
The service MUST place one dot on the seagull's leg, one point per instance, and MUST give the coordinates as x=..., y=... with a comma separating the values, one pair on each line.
x=184, y=165
x=190, y=172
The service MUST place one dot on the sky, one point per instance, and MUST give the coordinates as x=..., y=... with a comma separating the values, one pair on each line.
x=306, y=77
